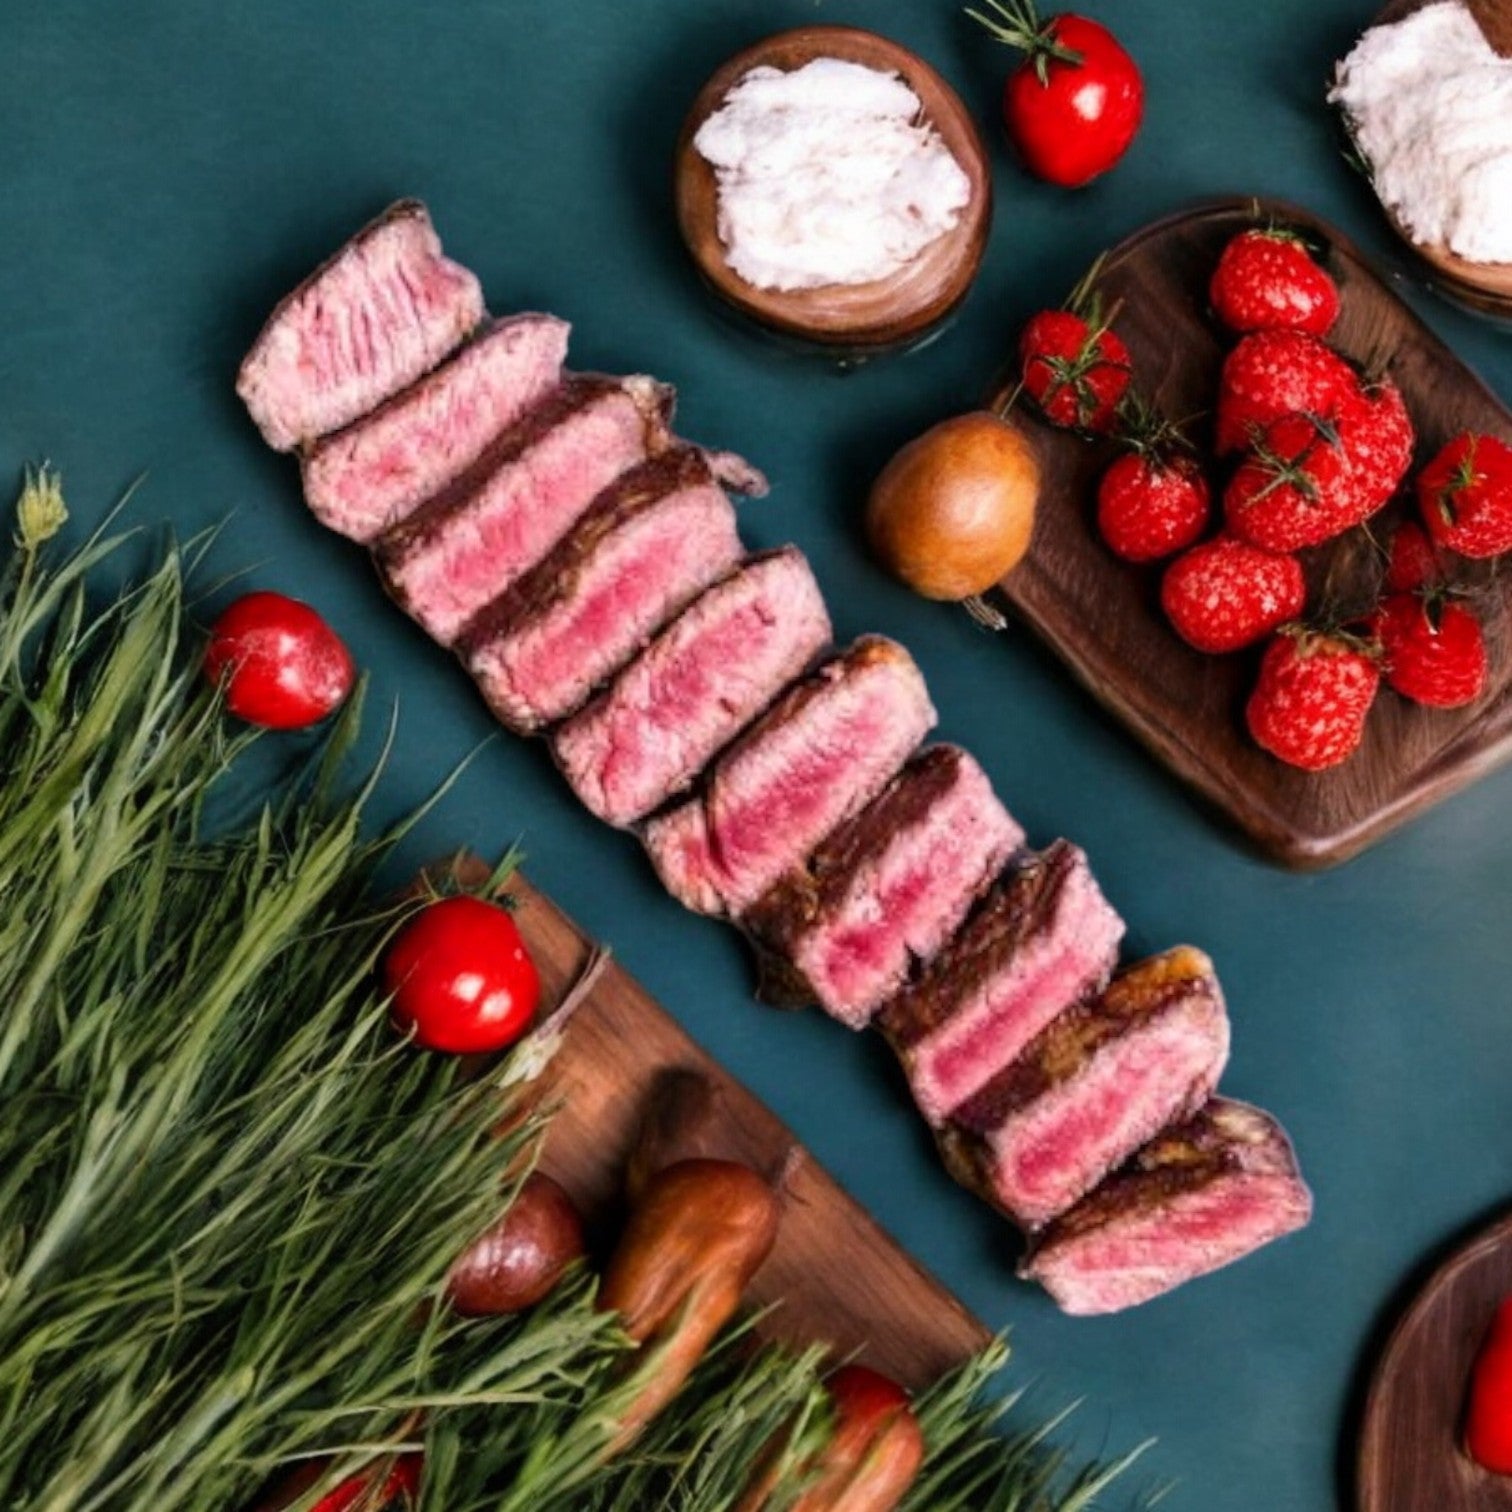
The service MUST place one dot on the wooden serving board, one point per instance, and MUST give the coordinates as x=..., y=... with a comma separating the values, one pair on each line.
x=837, y=1276
x=1102, y=616
x=1410, y=1456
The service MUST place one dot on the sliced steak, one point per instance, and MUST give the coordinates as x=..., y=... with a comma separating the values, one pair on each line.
x=695, y=688
x=887, y=889
x=650, y=543
x=1104, y=1078
x=379, y=469
x=462, y=549
x=1196, y=1198
x=826, y=749
x=384, y=310
x=1042, y=939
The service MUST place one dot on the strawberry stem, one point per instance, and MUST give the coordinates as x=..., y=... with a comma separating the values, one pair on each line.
x=1016, y=23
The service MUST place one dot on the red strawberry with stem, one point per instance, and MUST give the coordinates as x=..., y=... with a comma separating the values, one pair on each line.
x=1432, y=648
x=1412, y=561
x=1465, y=494
x=1295, y=488
x=1378, y=437
x=1314, y=694
x=1267, y=279
x=1075, y=367
x=1274, y=373
x=1227, y=594
x=1154, y=499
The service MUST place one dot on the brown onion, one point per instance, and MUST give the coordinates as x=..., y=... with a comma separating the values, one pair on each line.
x=517, y=1261
x=953, y=512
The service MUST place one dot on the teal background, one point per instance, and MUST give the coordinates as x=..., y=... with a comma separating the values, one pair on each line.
x=168, y=169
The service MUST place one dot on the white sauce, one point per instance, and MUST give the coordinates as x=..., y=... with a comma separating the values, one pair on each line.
x=826, y=175
x=1430, y=105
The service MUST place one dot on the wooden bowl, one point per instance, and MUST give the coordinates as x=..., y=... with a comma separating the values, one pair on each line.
x=1484, y=287
x=1410, y=1455
x=845, y=320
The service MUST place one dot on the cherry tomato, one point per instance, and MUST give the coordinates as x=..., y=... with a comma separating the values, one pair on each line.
x=1488, y=1424
x=1075, y=103
x=461, y=978
x=282, y=666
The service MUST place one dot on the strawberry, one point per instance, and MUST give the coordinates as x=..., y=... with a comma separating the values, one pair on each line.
x=1296, y=487
x=1075, y=368
x=1432, y=649
x=1275, y=373
x=1465, y=494
x=1226, y=594
x=1314, y=693
x=1150, y=506
x=1267, y=280
x=1413, y=563
x=1377, y=433
x=1154, y=500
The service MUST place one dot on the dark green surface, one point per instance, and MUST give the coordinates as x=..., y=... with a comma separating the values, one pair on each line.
x=168, y=169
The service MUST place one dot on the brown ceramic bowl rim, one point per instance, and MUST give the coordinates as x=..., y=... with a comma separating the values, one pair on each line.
x=885, y=311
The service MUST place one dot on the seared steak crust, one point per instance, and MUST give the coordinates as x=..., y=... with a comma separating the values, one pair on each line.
x=886, y=889
x=1197, y=1197
x=701, y=682
x=822, y=752
x=379, y=469
x=650, y=543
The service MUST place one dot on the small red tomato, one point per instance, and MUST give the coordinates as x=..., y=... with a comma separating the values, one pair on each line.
x=460, y=977
x=1488, y=1424
x=1075, y=103
x=400, y=1489
x=281, y=665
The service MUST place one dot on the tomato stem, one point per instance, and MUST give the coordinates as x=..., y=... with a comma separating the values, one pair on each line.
x=1016, y=23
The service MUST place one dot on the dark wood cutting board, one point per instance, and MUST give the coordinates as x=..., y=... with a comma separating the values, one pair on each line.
x=837, y=1276
x=1410, y=1459
x=1102, y=616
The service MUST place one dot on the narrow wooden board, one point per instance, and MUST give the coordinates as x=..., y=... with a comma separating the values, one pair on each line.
x=835, y=1274
x=1103, y=618
x=1410, y=1455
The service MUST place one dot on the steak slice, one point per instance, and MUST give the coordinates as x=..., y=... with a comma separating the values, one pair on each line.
x=464, y=548
x=824, y=751
x=650, y=543
x=1042, y=939
x=695, y=687
x=888, y=888
x=1196, y=1198
x=386, y=308
x=1105, y=1077
x=382, y=467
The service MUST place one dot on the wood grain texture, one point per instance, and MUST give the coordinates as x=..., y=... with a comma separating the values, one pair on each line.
x=849, y=319
x=837, y=1277
x=1486, y=287
x=1103, y=617
x=1410, y=1458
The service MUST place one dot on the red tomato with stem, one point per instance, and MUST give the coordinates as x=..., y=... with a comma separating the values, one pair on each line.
x=280, y=664
x=460, y=977
x=1075, y=103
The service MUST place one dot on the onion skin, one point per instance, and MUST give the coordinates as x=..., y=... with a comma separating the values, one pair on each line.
x=700, y=1230
x=953, y=512
x=518, y=1261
